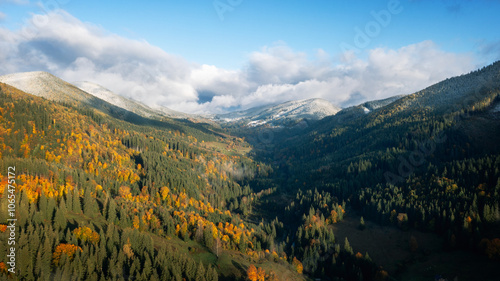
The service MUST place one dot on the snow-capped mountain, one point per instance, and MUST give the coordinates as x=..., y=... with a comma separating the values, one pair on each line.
x=48, y=86
x=128, y=104
x=288, y=113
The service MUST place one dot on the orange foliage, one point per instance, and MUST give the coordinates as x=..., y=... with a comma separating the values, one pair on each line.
x=67, y=249
x=124, y=191
x=261, y=274
x=34, y=185
x=127, y=248
x=252, y=273
x=136, y=222
x=3, y=227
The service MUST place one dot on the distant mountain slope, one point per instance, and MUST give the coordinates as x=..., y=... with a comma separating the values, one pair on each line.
x=465, y=108
x=357, y=111
x=48, y=86
x=456, y=93
x=376, y=104
x=281, y=114
x=128, y=104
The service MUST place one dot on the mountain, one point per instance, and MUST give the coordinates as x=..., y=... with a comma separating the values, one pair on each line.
x=357, y=111
x=48, y=86
x=382, y=195
x=167, y=196
x=427, y=161
x=376, y=104
x=279, y=115
x=128, y=104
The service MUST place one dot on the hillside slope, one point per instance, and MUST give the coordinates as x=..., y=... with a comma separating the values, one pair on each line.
x=427, y=161
x=46, y=85
x=86, y=180
x=128, y=104
x=281, y=114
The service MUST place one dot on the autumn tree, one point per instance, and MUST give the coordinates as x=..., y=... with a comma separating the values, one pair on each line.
x=252, y=273
x=64, y=249
x=127, y=249
x=261, y=274
x=297, y=265
x=86, y=234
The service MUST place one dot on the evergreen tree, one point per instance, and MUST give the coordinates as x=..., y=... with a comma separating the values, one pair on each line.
x=200, y=273
x=60, y=220
x=347, y=246
x=362, y=224
x=89, y=205
x=111, y=212
x=77, y=207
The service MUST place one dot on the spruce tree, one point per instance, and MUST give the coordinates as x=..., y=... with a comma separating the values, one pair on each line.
x=60, y=220
x=77, y=207
x=362, y=225
x=89, y=204
x=111, y=212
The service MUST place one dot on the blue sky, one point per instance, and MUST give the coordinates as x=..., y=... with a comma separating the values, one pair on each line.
x=210, y=56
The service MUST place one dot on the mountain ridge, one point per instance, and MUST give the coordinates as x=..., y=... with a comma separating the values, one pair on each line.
x=277, y=115
x=128, y=104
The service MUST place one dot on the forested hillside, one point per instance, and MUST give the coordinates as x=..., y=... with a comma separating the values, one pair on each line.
x=104, y=199
x=105, y=194
x=428, y=161
x=99, y=198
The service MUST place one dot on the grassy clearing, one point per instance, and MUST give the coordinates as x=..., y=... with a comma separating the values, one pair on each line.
x=234, y=149
x=389, y=247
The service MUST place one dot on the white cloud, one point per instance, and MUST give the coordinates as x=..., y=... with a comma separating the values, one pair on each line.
x=75, y=51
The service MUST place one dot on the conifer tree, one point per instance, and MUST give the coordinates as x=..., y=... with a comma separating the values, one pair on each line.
x=60, y=219
x=77, y=207
x=89, y=204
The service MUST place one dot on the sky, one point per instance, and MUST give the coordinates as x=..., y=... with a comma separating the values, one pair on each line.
x=206, y=56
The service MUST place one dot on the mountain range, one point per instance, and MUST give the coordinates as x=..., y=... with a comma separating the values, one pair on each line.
x=301, y=190
x=292, y=113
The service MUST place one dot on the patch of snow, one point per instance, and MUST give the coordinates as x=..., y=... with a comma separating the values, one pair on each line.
x=276, y=115
x=44, y=84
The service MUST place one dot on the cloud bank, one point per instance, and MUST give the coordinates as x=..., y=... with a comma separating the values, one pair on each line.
x=73, y=50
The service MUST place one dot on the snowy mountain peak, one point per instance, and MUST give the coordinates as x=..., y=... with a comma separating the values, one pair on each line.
x=281, y=114
x=112, y=98
x=128, y=104
x=44, y=84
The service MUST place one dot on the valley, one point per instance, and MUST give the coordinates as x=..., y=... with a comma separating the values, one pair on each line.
x=111, y=189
